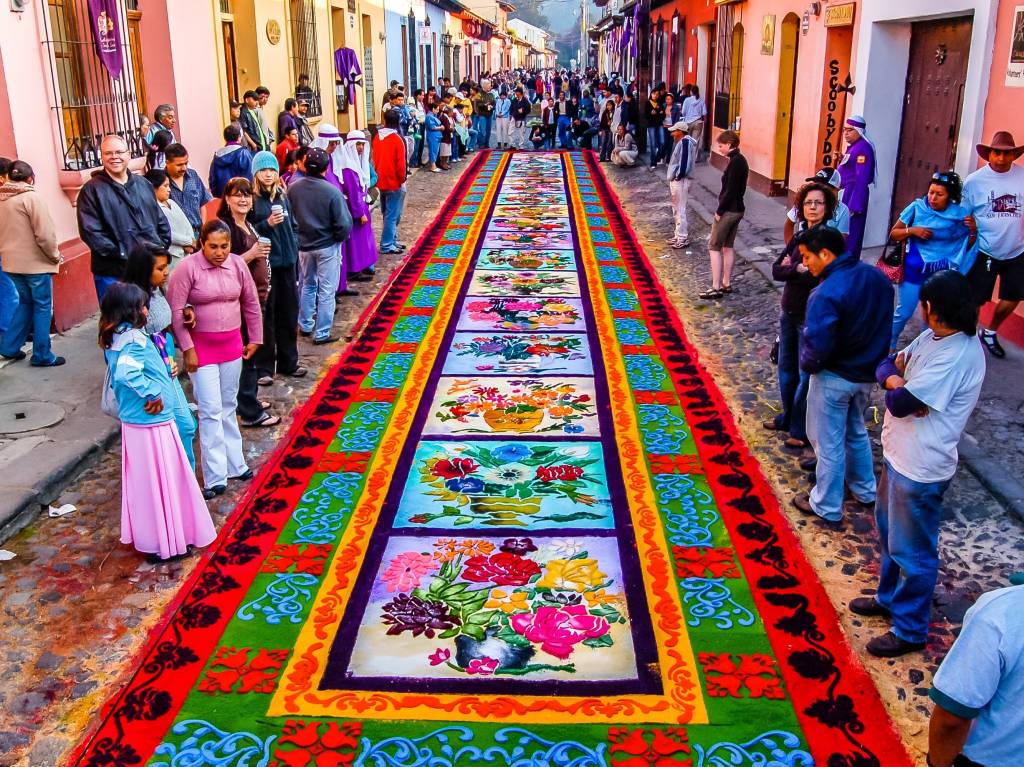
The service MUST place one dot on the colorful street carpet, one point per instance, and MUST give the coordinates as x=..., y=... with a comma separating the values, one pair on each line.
x=515, y=526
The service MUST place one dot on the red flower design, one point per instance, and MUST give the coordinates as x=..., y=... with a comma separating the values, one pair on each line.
x=756, y=673
x=501, y=569
x=233, y=671
x=457, y=467
x=317, y=744
x=563, y=473
x=699, y=562
x=649, y=748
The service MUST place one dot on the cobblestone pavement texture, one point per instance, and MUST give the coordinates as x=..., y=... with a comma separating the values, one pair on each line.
x=981, y=543
x=76, y=606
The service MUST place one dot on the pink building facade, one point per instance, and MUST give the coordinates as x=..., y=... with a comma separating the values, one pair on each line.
x=57, y=99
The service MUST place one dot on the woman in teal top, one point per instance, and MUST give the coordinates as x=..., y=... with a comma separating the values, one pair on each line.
x=937, y=238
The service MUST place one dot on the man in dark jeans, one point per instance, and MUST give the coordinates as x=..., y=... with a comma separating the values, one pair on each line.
x=727, y=216
x=116, y=210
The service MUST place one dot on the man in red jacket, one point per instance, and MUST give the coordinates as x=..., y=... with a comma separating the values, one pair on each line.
x=389, y=160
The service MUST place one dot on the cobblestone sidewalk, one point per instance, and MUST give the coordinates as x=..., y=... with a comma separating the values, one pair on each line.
x=980, y=543
x=76, y=605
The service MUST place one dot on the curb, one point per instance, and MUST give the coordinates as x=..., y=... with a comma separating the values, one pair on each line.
x=23, y=505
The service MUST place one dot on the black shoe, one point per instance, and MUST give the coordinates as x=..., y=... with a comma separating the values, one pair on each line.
x=209, y=493
x=305, y=333
x=327, y=340
x=245, y=476
x=991, y=341
x=891, y=646
x=346, y=292
x=56, y=362
x=359, y=277
x=15, y=357
x=809, y=464
x=868, y=607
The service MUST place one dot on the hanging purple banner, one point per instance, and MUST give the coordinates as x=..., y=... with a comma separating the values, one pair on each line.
x=106, y=32
x=634, y=49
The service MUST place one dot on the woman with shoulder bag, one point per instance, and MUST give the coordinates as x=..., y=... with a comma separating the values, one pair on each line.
x=816, y=204
x=936, y=238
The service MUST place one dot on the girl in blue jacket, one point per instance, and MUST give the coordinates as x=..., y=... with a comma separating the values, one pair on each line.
x=162, y=507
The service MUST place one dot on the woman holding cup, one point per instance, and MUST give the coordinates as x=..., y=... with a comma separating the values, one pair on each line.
x=272, y=218
x=254, y=249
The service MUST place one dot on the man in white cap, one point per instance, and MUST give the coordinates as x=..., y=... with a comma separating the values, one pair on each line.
x=678, y=173
x=840, y=219
x=857, y=170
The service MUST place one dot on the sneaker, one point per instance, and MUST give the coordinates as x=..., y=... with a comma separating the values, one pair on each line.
x=325, y=340
x=891, y=646
x=55, y=362
x=991, y=342
x=20, y=355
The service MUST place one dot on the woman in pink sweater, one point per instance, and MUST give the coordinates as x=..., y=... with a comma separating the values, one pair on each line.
x=215, y=284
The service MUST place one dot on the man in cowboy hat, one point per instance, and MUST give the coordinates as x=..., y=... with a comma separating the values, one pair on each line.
x=857, y=170
x=994, y=197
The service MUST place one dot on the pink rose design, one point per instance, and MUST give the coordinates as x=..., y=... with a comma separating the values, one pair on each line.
x=479, y=306
x=441, y=655
x=407, y=570
x=558, y=629
x=522, y=306
x=482, y=666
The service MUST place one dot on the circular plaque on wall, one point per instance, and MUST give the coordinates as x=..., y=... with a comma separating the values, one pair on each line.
x=273, y=32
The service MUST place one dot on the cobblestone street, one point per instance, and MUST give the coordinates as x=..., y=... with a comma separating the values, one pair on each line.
x=76, y=606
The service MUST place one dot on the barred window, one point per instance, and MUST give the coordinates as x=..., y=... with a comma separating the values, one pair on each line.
x=728, y=69
x=305, y=66
x=89, y=102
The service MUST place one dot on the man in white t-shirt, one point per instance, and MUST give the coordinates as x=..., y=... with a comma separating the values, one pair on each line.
x=931, y=388
x=994, y=197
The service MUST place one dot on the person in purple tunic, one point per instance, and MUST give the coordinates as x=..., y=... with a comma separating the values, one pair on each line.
x=361, y=246
x=329, y=139
x=857, y=170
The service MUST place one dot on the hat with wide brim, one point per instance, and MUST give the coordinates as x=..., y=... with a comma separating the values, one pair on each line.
x=1003, y=141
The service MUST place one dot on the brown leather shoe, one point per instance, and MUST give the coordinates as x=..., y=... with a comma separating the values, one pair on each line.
x=868, y=607
x=803, y=503
x=891, y=646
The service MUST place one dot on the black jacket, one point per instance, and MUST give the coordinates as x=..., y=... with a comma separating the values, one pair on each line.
x=113, y=218
x=251, y=128
x=521, y=109
x=734, y=184
x=799, y=284
x=284, y=238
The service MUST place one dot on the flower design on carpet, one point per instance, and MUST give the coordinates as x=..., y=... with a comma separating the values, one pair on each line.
x=513, y=406
x=506, y=484
x=524, y=238
x=243, y=670
x=317, y=744
x=498, y=258
x=508, y=283
x=480, y=607
x=519, y=354
x=639, y=747
x=522, y=314
x=741, y=676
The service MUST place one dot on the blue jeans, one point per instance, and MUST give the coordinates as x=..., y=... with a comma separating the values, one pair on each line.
x=835, y=426
x=907, y=297
x=102, y=283
x=564, y=139
x=908, y=515
x=8, y=301
x=35, y=310
x=482, y=126
x=321, y=270
x=391, y=205
x=654, y=141
x=792, y=380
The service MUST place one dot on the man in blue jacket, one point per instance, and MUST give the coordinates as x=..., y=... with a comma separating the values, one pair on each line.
x=848, y=321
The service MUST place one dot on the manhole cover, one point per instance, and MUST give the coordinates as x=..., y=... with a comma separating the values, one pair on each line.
x=16, y=417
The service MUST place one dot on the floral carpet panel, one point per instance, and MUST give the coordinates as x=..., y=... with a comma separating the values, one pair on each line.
x=515, y=526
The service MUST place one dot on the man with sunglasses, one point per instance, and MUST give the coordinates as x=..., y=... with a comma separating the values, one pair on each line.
x=994, y=197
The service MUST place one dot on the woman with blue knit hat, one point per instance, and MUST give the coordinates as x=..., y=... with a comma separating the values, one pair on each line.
x=272, y=218
x=857, y=169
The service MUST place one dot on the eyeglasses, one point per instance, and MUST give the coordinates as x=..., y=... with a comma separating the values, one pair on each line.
x=242, y=195
x=814, y=203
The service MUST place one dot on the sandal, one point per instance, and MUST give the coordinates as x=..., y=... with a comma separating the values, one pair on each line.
x=711, y=294
x=727, y=289
x=266, y=420
x=991, y=341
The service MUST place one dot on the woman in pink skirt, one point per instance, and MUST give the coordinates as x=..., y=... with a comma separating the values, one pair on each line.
x=162, y=507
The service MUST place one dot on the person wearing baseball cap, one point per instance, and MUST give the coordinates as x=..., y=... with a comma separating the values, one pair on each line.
x=680, y=169
x=857, y=170
x=840, y=218
x=324, y=222
x=994, y=198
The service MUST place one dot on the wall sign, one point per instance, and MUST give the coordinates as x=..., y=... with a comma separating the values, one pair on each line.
x=805, y=24
x=273, y=32
x=840, y=15
x=768, y=35
x=829, y=145
x=1015, y=66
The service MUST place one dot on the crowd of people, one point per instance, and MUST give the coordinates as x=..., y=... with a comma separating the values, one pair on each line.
x=227, y=273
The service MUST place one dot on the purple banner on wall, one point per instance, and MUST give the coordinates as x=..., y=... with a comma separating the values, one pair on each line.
x=106, y=32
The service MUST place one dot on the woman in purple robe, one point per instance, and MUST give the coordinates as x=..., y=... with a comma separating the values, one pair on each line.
x=361, y=247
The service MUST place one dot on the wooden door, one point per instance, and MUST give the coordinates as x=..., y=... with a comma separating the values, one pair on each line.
x=134, y=20
x=788, y=41
x=230, y=63
x=932, y=105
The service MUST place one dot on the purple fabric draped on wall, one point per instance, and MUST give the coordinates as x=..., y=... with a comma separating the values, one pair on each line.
x=346, y=65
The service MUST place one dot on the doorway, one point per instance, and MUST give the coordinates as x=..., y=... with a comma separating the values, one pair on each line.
x=932, y=105
x=789, y=36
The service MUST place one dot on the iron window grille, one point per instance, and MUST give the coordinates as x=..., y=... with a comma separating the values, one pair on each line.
x=304, y=54
x=88, y=103
x=728, y=70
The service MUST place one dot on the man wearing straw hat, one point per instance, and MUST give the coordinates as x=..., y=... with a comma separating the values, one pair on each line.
x=994, y=196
